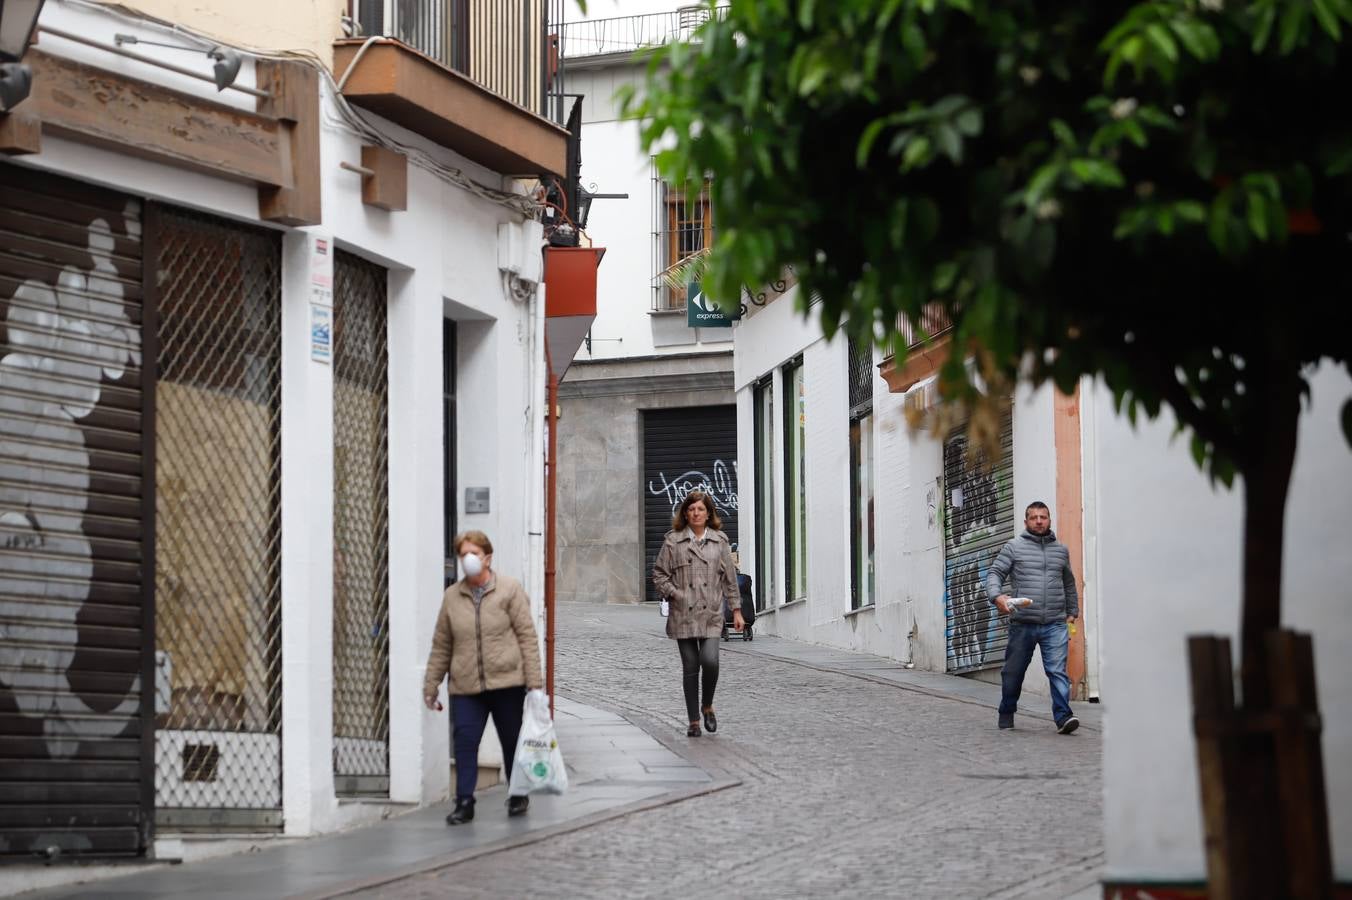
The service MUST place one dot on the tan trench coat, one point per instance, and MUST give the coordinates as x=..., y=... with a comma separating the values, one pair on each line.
x=698, y=580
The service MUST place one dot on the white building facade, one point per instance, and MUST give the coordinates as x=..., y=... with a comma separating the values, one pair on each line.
x=237, y=440
x=647, y=411
x=1156, y=551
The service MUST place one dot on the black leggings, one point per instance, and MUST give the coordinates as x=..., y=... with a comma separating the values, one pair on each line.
x=696, y=654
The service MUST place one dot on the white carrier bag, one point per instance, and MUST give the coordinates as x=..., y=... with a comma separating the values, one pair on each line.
x=538, y=764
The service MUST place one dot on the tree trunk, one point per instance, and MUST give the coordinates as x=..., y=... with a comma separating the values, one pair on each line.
x=1245, y=802
x=1266, y=470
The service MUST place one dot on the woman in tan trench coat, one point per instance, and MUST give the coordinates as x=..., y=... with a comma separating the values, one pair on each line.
x=694, y=572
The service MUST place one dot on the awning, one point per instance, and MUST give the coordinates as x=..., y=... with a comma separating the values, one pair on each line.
x=570, y=301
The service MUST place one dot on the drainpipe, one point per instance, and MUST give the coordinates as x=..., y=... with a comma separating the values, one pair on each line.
x=551, y=532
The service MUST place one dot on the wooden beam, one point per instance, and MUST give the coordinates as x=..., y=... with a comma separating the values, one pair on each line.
x=295, y=103
x=99, y=107
x=20, y=132
x=387, y=188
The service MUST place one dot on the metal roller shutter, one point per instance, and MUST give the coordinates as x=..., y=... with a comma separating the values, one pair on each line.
x=979, y=517
x=361, y=577
x=686, y=450
x=75, y=752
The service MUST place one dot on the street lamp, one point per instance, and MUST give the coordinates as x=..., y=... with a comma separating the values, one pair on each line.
x=18, y=18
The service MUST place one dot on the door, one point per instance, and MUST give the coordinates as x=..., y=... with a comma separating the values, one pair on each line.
x=361, y=571
x=218, y=623
x=686, y=450
x=978, y=520
x=75, y=503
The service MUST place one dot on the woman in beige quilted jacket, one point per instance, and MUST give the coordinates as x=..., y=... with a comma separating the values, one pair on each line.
x=486, y=641
x=695, y=574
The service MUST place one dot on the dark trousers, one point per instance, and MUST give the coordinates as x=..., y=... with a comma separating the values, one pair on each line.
x=469, y=715
x=698, y=654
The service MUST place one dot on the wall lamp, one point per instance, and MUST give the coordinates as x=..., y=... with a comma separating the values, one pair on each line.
x=224, y=68
x=18, y=18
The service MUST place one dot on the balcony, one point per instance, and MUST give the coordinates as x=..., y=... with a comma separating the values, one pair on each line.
x=472, y=75
x=626, y=34
x=928, y=347
x=503, y=45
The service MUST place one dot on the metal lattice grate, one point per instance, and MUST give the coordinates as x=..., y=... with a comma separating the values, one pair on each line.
x=861, y=376
x=361, y=644
x=217, y=526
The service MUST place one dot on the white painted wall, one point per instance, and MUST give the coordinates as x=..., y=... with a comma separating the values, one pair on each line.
x=907, y=622
x=442, y=255
x=614, y=163
x=1169, y=557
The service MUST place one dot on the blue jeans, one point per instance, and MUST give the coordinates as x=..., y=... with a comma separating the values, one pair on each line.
x=1052, y=639
x=469, y=715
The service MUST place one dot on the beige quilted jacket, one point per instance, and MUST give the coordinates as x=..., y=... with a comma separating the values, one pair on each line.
x=485, y=648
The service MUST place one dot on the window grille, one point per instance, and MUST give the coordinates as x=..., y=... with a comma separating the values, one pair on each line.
x=861, y=377
x=683, y=228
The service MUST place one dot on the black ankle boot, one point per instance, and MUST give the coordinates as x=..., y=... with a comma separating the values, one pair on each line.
x=463, y=812
x=517, y=805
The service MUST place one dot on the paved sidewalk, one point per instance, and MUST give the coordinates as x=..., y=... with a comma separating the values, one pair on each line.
x=884, y=671
x=615, y=769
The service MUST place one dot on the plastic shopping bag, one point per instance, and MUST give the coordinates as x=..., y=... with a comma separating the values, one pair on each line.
x=538, y=764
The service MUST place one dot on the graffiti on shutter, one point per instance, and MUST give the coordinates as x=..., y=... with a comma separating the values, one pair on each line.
x=686, y=450
x=73, y=647
x=978, y=520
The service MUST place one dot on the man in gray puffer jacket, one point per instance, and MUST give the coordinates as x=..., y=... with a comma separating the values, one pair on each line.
x=1038, y=567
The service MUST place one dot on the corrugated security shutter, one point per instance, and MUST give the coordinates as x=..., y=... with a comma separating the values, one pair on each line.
x=74, y=738
x=686, y=450
x=979, y=518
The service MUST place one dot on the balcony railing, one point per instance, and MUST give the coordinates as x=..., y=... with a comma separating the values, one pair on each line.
x=503, y=45
x=934, y=321
x=625, y=34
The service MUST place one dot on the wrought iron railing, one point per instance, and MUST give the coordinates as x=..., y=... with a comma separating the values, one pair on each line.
x=504, y=45
x=933, y=322
x=625, y=34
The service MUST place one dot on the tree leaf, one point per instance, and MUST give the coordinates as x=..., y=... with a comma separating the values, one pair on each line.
x=1098, y=172
x=1292, y=20
x=1327, y=20
x=917, y=153
x=1258, y=215
x=1063, y=133
x=1267, y=15
x=866, y=141
x=968, y=121
x=1190, y=211
x=1164, y=42
x=949, y=142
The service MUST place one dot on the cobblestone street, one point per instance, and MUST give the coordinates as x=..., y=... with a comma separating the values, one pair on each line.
x=850, y=787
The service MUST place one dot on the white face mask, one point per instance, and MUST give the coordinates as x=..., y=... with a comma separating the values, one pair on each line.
x=472, y=563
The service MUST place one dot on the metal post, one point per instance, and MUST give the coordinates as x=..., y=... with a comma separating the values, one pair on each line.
x=551, y=532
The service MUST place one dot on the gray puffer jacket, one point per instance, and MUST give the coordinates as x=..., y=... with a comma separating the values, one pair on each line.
x=1037, y=567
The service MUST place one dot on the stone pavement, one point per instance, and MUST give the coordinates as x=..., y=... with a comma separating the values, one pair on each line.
x=859, y=778
x=614, y=769
x=846, y=775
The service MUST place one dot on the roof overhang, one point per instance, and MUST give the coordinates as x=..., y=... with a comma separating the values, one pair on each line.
x=397, y=82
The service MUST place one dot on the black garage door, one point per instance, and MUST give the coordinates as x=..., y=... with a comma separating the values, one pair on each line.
x=686, y=450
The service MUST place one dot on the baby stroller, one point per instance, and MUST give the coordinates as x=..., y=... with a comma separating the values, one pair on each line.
x=748, y=609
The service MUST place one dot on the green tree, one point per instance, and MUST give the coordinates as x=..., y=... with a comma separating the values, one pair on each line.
x=1156, y=193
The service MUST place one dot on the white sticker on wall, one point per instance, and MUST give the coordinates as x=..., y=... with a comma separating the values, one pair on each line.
x=321, y=333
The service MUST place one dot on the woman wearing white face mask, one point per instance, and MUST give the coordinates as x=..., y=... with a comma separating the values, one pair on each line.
x=486, y=641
